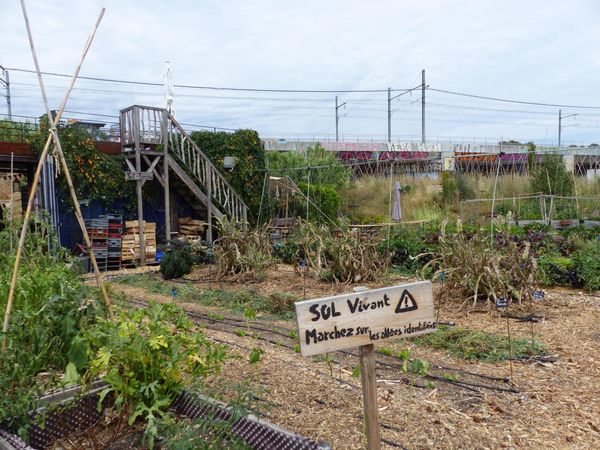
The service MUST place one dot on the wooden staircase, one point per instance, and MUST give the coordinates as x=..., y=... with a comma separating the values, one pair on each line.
x=154, y=144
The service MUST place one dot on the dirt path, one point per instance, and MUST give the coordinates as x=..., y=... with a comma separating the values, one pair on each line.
x=556, y=407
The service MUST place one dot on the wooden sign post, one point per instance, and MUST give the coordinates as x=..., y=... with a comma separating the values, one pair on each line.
x=360, y=319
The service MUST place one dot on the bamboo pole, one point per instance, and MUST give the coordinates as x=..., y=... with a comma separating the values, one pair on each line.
x=40, y=165
x=58, y=148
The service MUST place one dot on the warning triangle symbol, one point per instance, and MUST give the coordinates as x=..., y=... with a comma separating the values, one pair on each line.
x=407, y=303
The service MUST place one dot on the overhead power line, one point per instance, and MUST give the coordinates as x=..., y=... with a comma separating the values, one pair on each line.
x=325, y=91
x=522, y=102
x=213, y=88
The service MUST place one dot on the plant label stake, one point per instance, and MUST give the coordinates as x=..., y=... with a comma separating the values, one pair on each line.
x=539, y=295
x=359, y=319
x=502, y=303
x=442, y=278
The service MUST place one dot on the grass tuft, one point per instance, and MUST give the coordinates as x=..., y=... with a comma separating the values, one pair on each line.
x=480, y=345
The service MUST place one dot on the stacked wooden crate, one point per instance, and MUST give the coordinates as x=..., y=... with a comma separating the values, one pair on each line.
x=131, y=242
x=7, y=190
x=191, y=228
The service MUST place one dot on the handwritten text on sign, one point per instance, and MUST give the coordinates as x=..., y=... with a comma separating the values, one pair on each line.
x=350, y=320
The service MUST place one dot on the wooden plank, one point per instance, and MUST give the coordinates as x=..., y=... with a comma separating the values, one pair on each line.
x=369, y=389
x=361, y=318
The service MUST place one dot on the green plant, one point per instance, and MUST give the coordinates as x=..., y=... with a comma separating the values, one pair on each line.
x=16, y=131
x=328, y=168
x=206, y=433
x=51, y=306
x=248, y=174
x=145, y=356
x=96, y=176
x=177, y=261
x=324, y=205
x=479, y=345
x=586, y=262
x=555, y=270
x=551, y=177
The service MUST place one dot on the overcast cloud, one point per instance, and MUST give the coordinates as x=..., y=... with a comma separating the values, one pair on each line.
x=536, y=50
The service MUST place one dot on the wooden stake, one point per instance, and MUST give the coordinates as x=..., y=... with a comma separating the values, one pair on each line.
x=36, y=178
x=509, y=350
x=369, y=388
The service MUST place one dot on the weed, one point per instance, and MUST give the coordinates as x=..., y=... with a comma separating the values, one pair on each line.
x=479, y=345
x=385, y=351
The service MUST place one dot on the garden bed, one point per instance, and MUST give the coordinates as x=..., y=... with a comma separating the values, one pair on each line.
x=77, y=418
x=553, y=405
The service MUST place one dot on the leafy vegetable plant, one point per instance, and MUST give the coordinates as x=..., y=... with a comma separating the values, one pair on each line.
x=145, y=357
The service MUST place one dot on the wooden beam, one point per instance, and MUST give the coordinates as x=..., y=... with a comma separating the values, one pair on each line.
x=183, y=176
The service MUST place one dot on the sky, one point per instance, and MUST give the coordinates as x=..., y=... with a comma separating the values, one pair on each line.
x=536, y=51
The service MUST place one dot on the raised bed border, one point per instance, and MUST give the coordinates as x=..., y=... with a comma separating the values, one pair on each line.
x=81, y=413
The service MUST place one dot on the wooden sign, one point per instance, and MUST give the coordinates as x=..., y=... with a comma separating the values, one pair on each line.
x=362, y=318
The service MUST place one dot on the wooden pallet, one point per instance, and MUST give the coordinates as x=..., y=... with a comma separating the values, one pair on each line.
x=191, y=228
x=131, y=241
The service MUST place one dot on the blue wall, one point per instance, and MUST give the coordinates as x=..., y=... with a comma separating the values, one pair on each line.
x=154, y=211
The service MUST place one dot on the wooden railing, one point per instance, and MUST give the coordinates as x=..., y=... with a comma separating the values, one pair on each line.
x=155, y=127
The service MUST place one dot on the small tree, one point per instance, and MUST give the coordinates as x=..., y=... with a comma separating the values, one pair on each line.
x=552, y=177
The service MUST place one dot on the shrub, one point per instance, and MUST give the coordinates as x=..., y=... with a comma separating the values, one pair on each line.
x=325, y=202
x=587, y=263
x=330, y=172
x=551, y=177
x=177, y=262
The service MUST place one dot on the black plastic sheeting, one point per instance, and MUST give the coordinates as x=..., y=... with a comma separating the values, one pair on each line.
x=83, y=413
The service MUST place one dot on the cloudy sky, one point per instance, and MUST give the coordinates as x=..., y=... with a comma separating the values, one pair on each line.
x=537, y=51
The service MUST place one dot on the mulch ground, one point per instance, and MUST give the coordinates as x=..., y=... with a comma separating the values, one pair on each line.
x=557, y=406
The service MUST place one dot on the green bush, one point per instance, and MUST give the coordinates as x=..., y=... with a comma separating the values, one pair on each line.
x=587, y=263
x=177, y=262
x=247, y=176
x=325, y=197
x=329, y=169
x=551, y=177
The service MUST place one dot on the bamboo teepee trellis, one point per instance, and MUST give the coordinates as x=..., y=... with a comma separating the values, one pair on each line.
x=52, y=138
